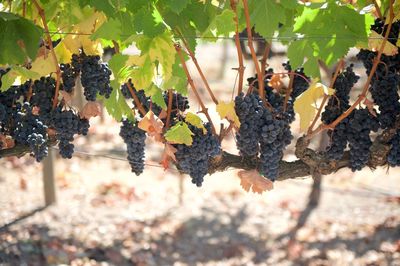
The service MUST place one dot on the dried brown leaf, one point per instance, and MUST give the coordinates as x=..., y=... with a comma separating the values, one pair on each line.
x=370, y=105
x=254, y=181
x=276, y=82
x=91, y=109
x=168, y=154
x=152, y=125
x=67, y=97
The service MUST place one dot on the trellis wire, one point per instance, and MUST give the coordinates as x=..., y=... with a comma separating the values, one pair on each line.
x=270, y=38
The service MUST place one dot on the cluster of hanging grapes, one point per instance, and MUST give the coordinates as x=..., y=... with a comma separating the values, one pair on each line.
x=27, y=115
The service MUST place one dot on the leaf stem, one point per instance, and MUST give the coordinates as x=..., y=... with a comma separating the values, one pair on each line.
x=136, y=99
x=264, y=59
x=241, y=67
x=196, y=63
x=170, y=95
x=193, y=86
x=253, y=53
x=50, y=43
x=288, y=91
x=326, y=97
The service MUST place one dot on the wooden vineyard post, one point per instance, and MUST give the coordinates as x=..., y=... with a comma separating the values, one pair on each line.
x=49, y=185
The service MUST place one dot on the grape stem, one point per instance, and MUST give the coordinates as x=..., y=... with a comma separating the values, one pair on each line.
x=241, y=67
x=265, y=57
x=339, y=67
x=196, y=63
x=253, y=54
x=378, y=10
x=193, y=86
x=50, y=43
x=169, y=108
x=136, y=99
x=288, y=91
x=362, y=96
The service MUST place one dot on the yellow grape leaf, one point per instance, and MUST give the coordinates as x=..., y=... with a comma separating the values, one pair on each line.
x=196, y=121
x=375, y=43
x=152, y=125
x=396, y=11
x=135, y=60
x=63, y=54
x=254, y=181
x=227, y=110
x=74, y=42
x=305, y=104
x=398, y=40
x=44, y=65
x=179, y=134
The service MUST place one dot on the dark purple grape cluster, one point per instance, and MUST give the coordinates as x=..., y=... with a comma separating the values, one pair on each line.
x=360, y=125
x=263, y=130
x=339, y=103
x=68, y=75
x=194, y=159
x=300, y=83
x=134, y=139
x=66, y=124
x=394, y=154
x=249, y=109
x=179, y=102
x=95, y=76
x=30, y=130
x=43, y=94
x=386, y=80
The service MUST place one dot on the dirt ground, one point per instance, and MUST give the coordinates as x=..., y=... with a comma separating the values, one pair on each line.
x=105, y=215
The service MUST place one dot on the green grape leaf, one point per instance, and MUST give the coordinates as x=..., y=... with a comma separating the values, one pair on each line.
x=177, y=6
x=156, y=95
x=345, y=26
x=145, y=22
x=160, y=49
x=116, y=105
x=103, y=6
x=111, y=30
x=19, y=39
x=298, y=51
x=119, y=66
x=221, y=25
x=178, y=80
x=16, y=72
x=179, y=134
x=266, y=16
x=142, y=75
